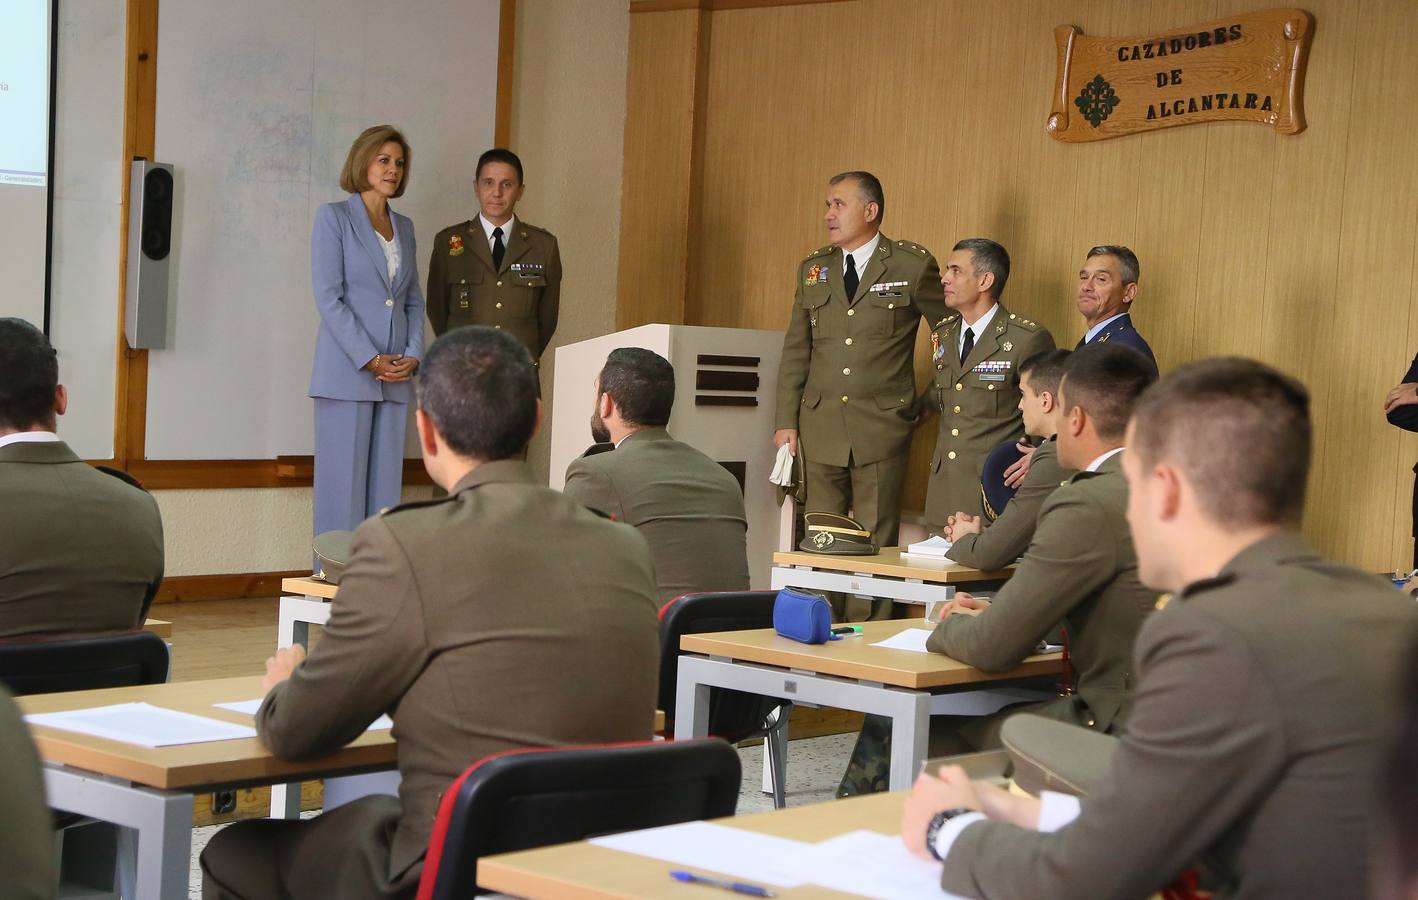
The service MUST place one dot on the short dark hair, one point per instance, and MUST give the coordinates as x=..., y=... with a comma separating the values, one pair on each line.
x=991, y=257
x=642, y=384
x=1045, y=370
x=1106, y=380
x=31, y=376
x=501, y=155
x=1239, y=429
x=869, y=186
x=479, y=387
x=1127, y=260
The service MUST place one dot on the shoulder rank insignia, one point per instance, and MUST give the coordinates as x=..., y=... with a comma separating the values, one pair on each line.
x=1008, y=346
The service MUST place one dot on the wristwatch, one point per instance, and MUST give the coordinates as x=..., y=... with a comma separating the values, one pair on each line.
x=937, y=823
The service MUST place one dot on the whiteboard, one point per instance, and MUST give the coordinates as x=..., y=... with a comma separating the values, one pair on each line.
x=257, y=105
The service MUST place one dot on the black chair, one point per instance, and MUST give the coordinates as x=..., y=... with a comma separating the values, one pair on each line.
x=733, y=715
x=535, y=798
x=119, y=660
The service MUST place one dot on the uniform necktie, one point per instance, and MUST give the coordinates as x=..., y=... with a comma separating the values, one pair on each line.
x=849, y=278
x=969, y=344
x=497, y=248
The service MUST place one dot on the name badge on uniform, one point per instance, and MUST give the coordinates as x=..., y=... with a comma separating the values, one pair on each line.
x=993, y=370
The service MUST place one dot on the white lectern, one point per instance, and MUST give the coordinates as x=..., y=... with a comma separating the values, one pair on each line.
x=725, y=380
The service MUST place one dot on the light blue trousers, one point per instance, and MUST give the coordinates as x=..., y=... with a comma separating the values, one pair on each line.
x=359, y=460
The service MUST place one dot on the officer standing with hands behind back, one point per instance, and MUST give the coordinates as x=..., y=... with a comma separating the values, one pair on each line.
x=496, y=269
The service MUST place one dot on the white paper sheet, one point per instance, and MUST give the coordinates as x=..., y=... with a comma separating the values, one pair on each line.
x=910, y=639
x=756, y=858
x=935, y=547
x=143, y=724
x=383, y=723
x=870, y=865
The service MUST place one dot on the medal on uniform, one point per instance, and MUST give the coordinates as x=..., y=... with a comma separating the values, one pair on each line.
x=936, y=352
x=455, y=245
x=811, y=278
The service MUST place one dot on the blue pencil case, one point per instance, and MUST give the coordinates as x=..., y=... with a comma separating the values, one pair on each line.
x=803, y=616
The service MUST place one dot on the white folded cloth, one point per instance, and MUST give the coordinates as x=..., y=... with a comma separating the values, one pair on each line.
x=783, y=468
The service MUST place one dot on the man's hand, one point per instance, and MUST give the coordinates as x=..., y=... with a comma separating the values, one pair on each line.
x=279, y=667
x=787, y=436
x=398, y=368
x=949, y=789
x=1004, y=806
x=1014, y=475
x=1405, y=394
x=960, y=525
x=968, y=605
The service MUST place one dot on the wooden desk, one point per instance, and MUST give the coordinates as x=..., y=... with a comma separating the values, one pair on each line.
x=150, y=790
x=888, y=574
x=160, y=627
x=584, y=870
x=846, y=674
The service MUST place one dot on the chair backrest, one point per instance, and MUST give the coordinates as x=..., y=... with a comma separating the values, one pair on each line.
x=730, y=711
x=534, y=798
x=119, y=660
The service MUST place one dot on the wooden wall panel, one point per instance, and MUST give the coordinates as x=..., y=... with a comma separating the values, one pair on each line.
x=659, y=139
x=1297, y=250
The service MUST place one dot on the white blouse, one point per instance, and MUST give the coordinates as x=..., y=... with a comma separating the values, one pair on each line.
x=391, y=253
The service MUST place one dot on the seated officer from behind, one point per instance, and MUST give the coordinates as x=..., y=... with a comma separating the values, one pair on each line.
x=688, y=507
x=1080, y=569
x=80, y=551
x=1007, y=537
x=463, y=618
x=1266, y=687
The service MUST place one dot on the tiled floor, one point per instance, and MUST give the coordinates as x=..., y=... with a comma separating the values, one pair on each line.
x=814, y=767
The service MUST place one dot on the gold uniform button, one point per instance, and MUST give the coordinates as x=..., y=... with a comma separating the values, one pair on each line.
x=1162, y=601
x=389, y=302
x=847, y=371
x=462, y=281
x=940, y=365
x=851, y=312
x=499, y=304
x=955, y=432
x=891, y=306
x=951, y=454
x=499, y=284
x=498, y=327
x=849, y=342
x=990, y=386
x=957, y=409
x=844, y=398
x=959, y=386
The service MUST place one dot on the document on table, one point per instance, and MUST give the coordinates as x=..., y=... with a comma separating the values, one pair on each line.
x=718, y=848
x=910, y=639
x=869, y=864
x=935, y=547
x=383, y=723
x=143, y=724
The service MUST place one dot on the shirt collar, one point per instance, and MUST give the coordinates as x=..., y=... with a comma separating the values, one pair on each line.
x=29, y=437
x=488, y=227
x=862, y=255
x=979, y=326
x=1093, y=332
x=1098, y=463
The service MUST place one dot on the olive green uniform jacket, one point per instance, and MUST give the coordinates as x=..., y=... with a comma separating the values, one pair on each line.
x=1080, y=569
x=80, y=551
x=687, y=506
x=846, y=380
x=1266, y=701
x=1004, y=539
x=978, y=403
x=523, y=296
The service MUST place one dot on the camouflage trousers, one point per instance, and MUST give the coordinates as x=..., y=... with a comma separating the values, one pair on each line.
x=869, y=769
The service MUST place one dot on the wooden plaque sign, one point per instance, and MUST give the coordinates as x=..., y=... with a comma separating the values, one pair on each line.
x=1249, y=68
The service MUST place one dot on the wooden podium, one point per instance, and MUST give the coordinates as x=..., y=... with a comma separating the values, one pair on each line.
x=725, y=379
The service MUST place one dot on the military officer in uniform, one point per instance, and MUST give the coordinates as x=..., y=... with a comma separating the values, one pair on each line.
x=495, y=269
x=975, y=353
x=846, y=387
x=1107, y=286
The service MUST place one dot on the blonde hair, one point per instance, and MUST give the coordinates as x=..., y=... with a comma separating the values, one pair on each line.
x=353, y=177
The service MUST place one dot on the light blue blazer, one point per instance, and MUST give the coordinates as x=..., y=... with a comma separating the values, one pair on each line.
x=361, y=313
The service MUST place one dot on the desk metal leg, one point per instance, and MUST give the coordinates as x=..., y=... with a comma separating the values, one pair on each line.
x=910, y=737
x=162, y=821
x=293, y=627
x=691, y=703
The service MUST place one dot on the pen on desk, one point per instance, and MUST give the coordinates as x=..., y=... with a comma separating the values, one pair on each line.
x=738, y=887
x=847, y=629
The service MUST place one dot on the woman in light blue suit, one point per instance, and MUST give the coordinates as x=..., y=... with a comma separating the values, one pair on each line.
x=365, y=273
